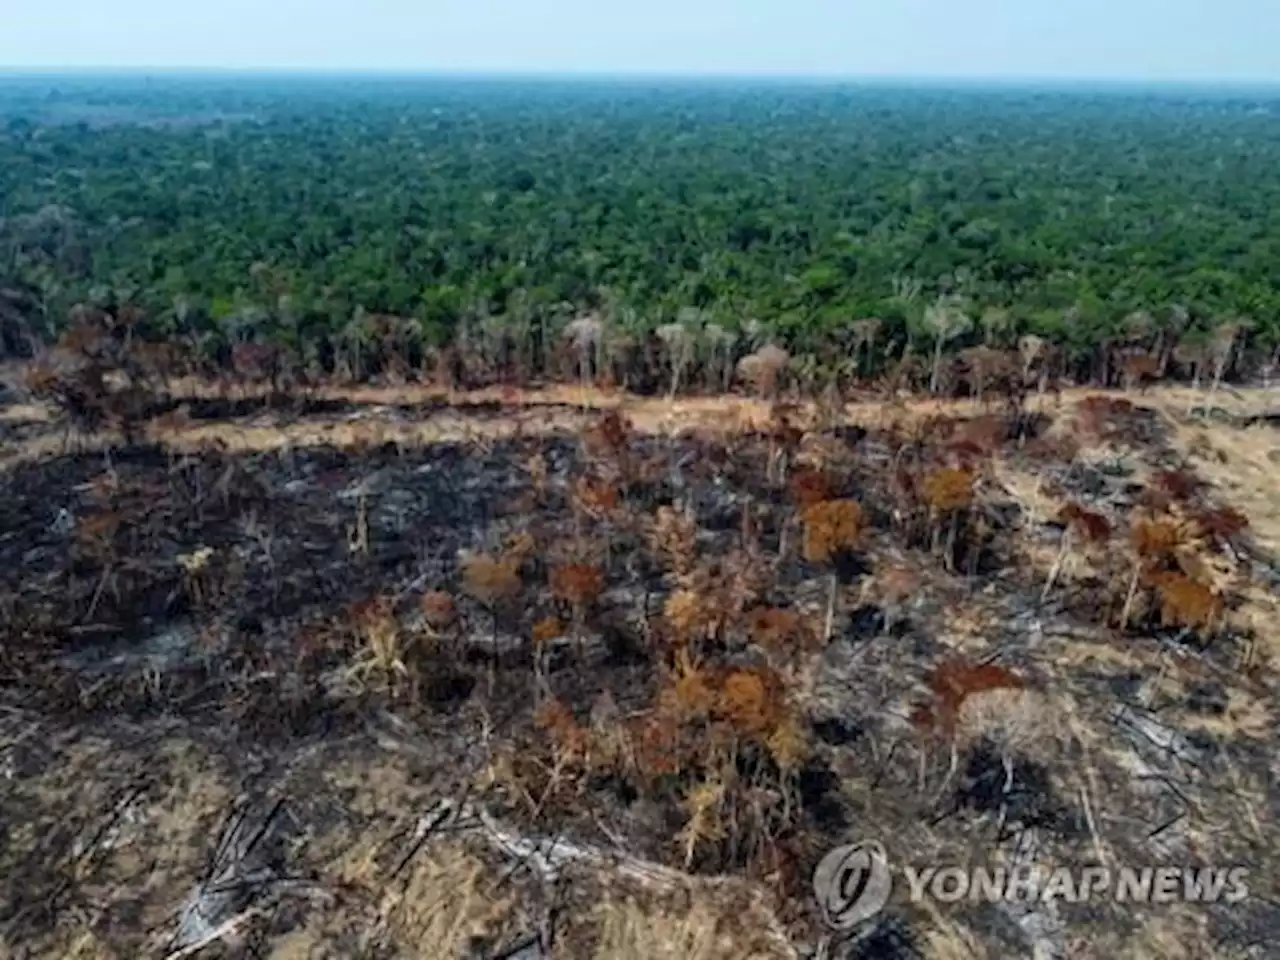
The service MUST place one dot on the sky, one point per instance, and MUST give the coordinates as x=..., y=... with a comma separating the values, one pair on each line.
x=1145, y=40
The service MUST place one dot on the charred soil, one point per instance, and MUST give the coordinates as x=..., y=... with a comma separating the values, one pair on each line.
x=608, y=685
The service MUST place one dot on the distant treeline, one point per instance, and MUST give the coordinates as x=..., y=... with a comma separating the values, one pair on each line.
x=511, y=230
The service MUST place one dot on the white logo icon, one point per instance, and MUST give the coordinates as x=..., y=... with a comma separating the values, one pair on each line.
x=852, y=884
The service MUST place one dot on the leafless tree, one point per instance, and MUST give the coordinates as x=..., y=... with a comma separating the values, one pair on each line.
x=679, y=343
x=865, y=334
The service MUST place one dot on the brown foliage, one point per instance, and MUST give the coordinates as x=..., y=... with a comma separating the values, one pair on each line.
x=1089, y=524
x=1156, y=538
x=1097, y=415
x=752, y=701
x=951, y=683
x=948, y=489
x=1178, y=484
x=490, y=580
x=690, y=692
x=557, y=721
x=776, y=630
x=594, y=497
x=1105, y=406
x=655, y=745
x=674, y=535
x=1221, y=523
x=1186, y=603
x=610, y=436
x=545, y=630
x=716, y=592
x=578, y=584
x=830, y=526
x=690, y=616
x=1174, y=555
x=809, y=487
x=518, y=548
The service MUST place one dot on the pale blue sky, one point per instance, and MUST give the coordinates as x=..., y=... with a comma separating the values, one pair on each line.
x=1123, y=39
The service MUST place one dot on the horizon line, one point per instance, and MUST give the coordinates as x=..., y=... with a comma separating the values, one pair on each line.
x=658, y=75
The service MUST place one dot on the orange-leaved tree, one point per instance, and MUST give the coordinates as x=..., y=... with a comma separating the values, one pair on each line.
x=495, y=582
x=949, y=493
x=579, y=585
x=832, y=529
x=1081, y=526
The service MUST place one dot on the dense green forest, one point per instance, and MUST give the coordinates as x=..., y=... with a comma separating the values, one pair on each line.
x=297, y=211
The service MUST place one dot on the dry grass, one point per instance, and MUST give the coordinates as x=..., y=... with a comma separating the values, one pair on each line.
x=446, y=904
x=1244, y=715
x=146, y=863
x=1026, y=489
x=446, y=901
x=1016, y=720
x=1241, y=466
x=526, y=414
x=1179, y=934
x=26, y=413
x=628, y=931
x=949, y=940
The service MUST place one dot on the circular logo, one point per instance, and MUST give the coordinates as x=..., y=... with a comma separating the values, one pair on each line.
x=852, y=884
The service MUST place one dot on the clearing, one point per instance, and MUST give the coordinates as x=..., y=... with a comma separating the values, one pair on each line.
x=397, y=673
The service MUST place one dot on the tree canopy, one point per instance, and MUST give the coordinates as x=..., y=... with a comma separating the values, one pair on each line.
x=285, y=206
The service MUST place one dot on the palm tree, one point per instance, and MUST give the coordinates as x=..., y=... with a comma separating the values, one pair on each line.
x=946, y=320
x=679, y=342
x=1032, y=350
x=355, y=338
x=586, y=335
x=906, y=295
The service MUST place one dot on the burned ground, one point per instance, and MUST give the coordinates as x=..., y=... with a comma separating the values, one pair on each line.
x=408, y=680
